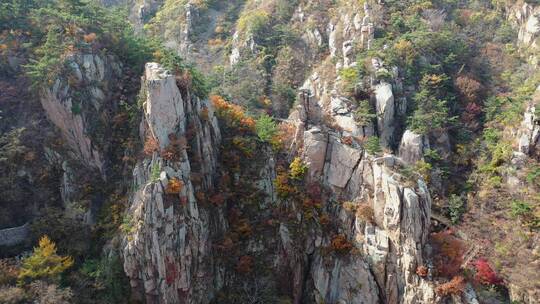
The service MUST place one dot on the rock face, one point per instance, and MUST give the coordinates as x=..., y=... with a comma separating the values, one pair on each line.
x=167, y=252
x=529, y=131
x=75, y=111
x=164, y=107
x=412, y=147
x=527, y=18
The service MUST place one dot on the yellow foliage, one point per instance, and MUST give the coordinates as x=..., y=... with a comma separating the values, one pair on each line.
x=44, y=263
x=298, y=169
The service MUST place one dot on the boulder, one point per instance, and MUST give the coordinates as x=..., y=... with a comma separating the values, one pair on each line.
x=385, y=113
x=412, y=147
x=315, y=145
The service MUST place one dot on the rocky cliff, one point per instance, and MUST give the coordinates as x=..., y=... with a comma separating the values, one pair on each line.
x=348, y=152
x=167, y=249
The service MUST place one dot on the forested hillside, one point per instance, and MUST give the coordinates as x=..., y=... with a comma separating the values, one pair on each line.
x=276, y=151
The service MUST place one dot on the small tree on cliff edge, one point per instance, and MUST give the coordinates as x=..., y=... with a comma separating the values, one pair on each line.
x=44, y=264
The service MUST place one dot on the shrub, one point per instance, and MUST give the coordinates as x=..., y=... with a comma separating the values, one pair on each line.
x=284, y=136
x=45, y=293
x=245, y=144
x=349, y=78
x=340, y=244
x=150, y=145
x=447, y=253
x=232, y=115
x=174, y=186
x=520, y=208
x=44, y=263
x=173, y=151
x=283, y=187
x=8, y=272
x=533, y=175
x=266, y=128
x=89, y=38
x=186, y=75
x=372, y=145
x=254, y=22
x=454, y=287
x=431, y=111
x=297, y=169
x=364, y=114
x=485, y=274
x=468, y=88
x=12, y=295
x=366, y=213
x=456, y=208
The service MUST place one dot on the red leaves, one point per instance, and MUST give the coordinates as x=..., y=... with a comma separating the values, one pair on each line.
x=485, y=274
x=448, y=253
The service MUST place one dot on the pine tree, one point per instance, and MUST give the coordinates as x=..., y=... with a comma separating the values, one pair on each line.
x=44, y=264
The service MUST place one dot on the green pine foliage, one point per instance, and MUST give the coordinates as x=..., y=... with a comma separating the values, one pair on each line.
x=266, y=128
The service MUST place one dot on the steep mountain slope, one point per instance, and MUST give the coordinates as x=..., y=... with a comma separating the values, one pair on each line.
x=399, y=162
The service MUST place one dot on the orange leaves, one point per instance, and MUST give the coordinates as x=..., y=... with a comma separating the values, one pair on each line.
x=204, y=115
x=174, y=186
x=283, y=187
x=232, y=114
x=340, y=244
x=455, y=286
x=173, y=151
x=89, y=38
x=150, y=145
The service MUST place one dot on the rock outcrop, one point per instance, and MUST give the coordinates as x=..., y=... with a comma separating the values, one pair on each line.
x=412, y=147
x=527, y=18
x=76, y=101
x=167, y=250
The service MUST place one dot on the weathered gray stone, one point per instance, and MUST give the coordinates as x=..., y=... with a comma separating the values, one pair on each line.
x=412, y=147
x=385, y=113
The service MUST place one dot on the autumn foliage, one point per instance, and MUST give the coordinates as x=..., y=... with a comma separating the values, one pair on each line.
x=173, y=151
x=448, y=253
x=150, y=145
x=485, y=274
x=422, y=271
x=44, y=263
x=340, y=244
x=233, y=114
x=283, y=186
x=174, y=186
x=366, y=213
x=455, y=286
x=469, y=88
